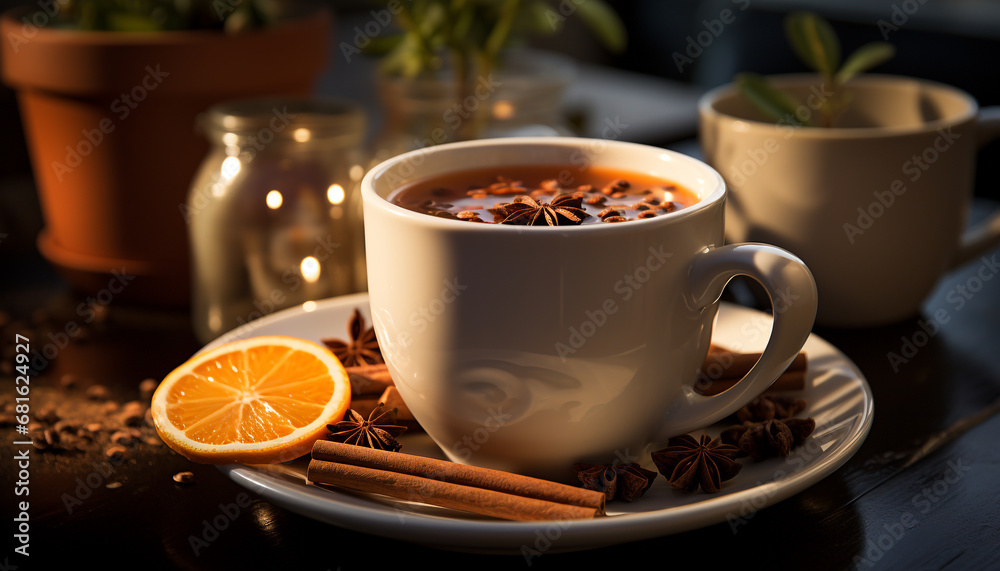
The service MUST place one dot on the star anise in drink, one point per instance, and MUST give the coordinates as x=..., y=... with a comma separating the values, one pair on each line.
x=379, y=430
x=361, y=349
x=688, y=463
x=563, y=210
x=627, y=482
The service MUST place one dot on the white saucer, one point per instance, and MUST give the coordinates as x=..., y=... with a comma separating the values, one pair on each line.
x=839, y=398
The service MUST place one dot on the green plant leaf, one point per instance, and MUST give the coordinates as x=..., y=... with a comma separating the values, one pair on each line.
x=814, y=41
x=539, y=18
x=773, y=102
x=865, y=58
x=382, y=45
x=463, y=15
x=500, y=34
x=603, y=22
x=408, y=58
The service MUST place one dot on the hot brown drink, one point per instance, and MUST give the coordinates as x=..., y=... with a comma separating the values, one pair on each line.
x=533, y=195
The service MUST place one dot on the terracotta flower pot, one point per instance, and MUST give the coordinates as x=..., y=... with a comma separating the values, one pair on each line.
x=109, y=118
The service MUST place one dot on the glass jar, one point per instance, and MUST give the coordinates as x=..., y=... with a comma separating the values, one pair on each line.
x=523, y=97
x=274, y=212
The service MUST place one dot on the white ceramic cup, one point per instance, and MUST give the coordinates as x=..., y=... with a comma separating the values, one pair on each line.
x=528, y=349
x=876, y=206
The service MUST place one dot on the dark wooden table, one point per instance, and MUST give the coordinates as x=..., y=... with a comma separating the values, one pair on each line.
x=923, y=492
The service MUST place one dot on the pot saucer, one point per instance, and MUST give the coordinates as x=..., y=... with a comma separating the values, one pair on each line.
x=129, y=280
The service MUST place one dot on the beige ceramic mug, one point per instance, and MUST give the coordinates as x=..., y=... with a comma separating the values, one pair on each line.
x=876, y=206
x=530, y=348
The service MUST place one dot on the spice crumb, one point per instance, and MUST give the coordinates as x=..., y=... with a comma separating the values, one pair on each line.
x=122, y=438
x=147, y=387
x=97, y=392
x=115, y=453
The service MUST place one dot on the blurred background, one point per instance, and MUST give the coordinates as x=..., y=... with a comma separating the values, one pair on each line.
x=653, y=83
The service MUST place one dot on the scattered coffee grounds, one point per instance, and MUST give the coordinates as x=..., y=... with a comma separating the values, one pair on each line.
x=535, y=195
x=72, y=418
x=66, y=423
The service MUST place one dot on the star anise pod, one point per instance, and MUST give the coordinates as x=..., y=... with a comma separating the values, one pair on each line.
x=378, y=431
x=626, y=482
x=768, y=407
x=564, y=210
x=361, y=349
x=688, y=463
x=770, y=438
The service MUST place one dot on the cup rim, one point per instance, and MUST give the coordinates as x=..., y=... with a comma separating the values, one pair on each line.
x=371, y=198
x=706, y=107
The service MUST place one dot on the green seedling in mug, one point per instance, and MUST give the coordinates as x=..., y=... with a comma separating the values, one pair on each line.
x=815, y=43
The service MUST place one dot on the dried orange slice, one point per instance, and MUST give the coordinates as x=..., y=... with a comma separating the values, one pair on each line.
x=256, y=401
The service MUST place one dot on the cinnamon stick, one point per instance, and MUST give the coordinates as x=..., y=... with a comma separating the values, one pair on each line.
x=724, y=368
x=365, y=404
x=788, y=381
x=392, y=400
x=369, y=379
x=723, y=363
x=448, y=484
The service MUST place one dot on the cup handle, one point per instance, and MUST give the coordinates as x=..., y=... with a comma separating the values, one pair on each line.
x=792, y=291
x=984, y=236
